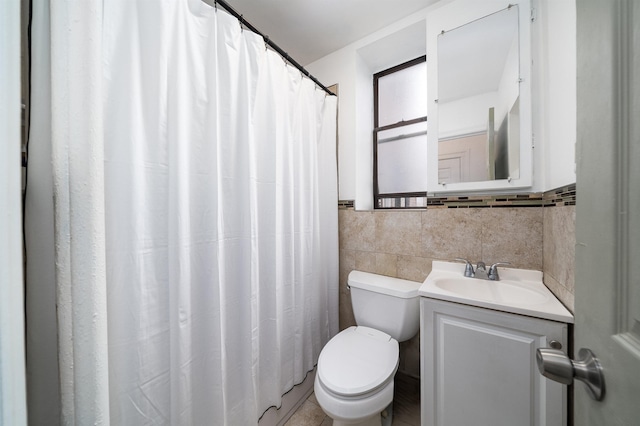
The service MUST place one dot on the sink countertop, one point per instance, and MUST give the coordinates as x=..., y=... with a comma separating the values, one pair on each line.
x=519, y=291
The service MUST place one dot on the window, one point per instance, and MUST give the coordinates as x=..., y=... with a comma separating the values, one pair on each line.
x=400, y=135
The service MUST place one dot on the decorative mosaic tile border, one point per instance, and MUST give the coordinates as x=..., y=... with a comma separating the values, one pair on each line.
x=564, y=196
x=346, y=204
x=486, y=201
x=402, y=203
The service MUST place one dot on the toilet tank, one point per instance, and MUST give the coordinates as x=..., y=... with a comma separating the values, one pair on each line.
x=387, y=304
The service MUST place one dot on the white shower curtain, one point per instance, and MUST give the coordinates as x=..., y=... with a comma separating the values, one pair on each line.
x=219, y=216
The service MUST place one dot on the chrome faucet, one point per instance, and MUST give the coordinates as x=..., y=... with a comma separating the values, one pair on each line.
x=468, y=269
x=480, y=271
x=493, y=271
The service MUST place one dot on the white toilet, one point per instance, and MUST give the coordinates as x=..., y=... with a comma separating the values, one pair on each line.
x=354, y=380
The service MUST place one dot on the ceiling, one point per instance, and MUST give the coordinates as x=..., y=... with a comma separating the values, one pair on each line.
x=310, y=29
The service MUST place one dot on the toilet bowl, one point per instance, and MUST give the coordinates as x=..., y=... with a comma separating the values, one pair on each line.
x=355, y=375
x=354, y=381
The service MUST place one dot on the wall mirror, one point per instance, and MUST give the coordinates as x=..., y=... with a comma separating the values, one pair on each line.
x=480, y=116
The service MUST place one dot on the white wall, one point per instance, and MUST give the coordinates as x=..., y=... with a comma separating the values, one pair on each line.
x=465, y=116
x=556, y=72
x=12, y=365
x=554, y=95
x=340, y=68
x=508, y=87
x=352, y=68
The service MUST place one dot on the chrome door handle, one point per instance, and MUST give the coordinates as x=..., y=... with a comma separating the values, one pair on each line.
x=556, y=365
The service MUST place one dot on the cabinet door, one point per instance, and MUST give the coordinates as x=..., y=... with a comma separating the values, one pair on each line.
x=479, y=368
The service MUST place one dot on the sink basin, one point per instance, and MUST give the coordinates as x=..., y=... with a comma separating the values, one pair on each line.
x=500, y=291
x=519, y=291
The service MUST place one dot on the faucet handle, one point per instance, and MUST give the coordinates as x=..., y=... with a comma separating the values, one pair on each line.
x=493, y=271
x=468, y=269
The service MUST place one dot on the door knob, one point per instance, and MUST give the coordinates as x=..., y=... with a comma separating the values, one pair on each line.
x=556, y=365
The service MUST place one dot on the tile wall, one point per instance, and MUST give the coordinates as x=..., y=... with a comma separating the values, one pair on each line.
x=403, y=244
x=559, y=252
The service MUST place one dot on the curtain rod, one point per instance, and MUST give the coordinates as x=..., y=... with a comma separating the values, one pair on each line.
x=270, y=43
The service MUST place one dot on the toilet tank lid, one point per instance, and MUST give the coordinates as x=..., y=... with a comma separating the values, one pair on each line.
x=382, y=284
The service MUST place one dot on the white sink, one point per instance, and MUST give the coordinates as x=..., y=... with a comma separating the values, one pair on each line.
x=519, y=291
x=492, y=291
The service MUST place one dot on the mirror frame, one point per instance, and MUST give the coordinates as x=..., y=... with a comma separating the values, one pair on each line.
x=453, y=15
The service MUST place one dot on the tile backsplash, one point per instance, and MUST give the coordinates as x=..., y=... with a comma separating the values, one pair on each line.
x=559, y=252
x=403, y=244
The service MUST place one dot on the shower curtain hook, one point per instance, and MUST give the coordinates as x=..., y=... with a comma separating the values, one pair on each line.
x=241, y=23
x=215, y=5
x=266, y=43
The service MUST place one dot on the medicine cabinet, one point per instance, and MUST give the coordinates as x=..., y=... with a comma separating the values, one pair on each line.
x=479, y=97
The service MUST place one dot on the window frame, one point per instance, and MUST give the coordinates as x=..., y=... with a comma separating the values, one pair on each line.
x=399, y=196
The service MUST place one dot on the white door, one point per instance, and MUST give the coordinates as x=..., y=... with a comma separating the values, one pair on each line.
x=607, y=291
x=450, y=169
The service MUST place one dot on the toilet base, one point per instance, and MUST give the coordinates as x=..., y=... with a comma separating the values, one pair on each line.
x=370, y=421
x=387, y=415
x=383, y=419
x=351, y=411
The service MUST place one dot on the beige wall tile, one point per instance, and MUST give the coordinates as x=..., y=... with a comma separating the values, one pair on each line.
x=410, y=356
x=386, y=264
x=345, y=312
x=559, y=241
x=561, y=292
x=403, y=244
x=356, y=230
x=377, y=263
x=414, y=268
x=347, y=264
x=346, y=318
x=451, y=233
x=512, y=235
x=366, y=261
x=397, y=232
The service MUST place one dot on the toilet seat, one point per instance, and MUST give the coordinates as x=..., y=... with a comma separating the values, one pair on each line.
x=358, y=361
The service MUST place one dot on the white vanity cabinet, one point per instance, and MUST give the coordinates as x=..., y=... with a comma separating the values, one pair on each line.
x=478, y=367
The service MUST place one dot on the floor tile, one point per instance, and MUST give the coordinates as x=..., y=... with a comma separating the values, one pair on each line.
x=406, y=406
x=406, y=401
x=309, y=414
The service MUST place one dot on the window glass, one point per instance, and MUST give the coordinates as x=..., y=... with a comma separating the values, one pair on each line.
x=402, y=95
x=402, y=156
x=400, y=135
